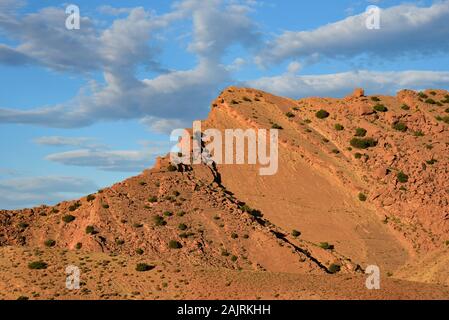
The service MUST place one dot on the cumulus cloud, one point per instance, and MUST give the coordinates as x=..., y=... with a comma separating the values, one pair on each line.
x=341, y=84
x=405, y=29
x=176, y=96
x=30, y=191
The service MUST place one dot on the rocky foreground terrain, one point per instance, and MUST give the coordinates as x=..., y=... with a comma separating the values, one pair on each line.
x=362, y=181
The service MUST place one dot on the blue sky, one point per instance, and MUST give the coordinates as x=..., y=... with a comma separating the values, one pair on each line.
x=82, y=109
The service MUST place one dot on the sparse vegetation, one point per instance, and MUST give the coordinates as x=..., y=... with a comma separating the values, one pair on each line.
x=364, y=143
x=334, y=268
x=380, y=108
x=234, y=258
x=68, y=218
x=142, y=267
x=173, y=244
x=296, y=233
x=430, y=101
x=322, y=114
x=234, y=235
x=105, y=206
x=422, y=95
x=234, y=102
x=37, y=265
x=172, y=168
x=90, y=230
x=375, y=99
x=74, y=206
x=362, y=197
x=247, y=99
x=182, y=227
x=405, y=107
x=78, y=246
x=431, y=162
x=152, y=199
x=50, y=243
x=418, y=133
x=90, y=197
x=290, y=114
x=159, y=221
x=139, y=251
x=360, y=132
x=181, y=214
x=339, y=127
x=137, y=225
x=119, y=242
x=400, y=126
x=168, y=213
x=402, y=177
x=276, y=126
x=326, y=246
x=358, y=155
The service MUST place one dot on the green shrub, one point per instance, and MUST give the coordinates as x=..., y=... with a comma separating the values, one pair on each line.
x=418, y=133
x=431, y=162
x=90, y=198
x=139, y=251
x=50, y=243
x=37, y=265
x=339, y=127
x=182, y=227
x=290, y=114
x=105, y=206
x=402, y=177
x=276, y=126
x=142, y=267
x=68, y=218
x=326, y=246
x=380, y=108
x=225, y=253
x=336, y=151
x=152, y=199
x=400, y=126
x=137, y=225
x=119, y=242
x=181, y=214
x=159, y=221
x=90, y=230
x=422, y=95
x=296, y=233
x=360, y=132
x=247, y=99
x=358, y=155
x=168, y=213
x=173, y=244
x=362, y=197
x=334, y=268
x=234, y=258
x=234, y=235
x=431, y=101
x=74, y=206
x=447, y=110
x=375, y=99
x=405, y=107
x=364, y=143
x=308, y=121
x=172, y=168
x=78, y=246
x=234, y=102
x=23, y=225
x=322, y=114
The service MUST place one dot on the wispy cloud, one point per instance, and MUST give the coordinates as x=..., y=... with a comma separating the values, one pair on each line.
x=24, y=192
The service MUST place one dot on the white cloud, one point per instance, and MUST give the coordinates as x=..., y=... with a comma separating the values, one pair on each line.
x=341, y=84
x=405, y=29
x=176, y=96
x=111, y=160
x=59, y=141
x=31, y=191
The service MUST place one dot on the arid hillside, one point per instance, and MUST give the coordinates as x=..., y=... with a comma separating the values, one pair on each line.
x=361, y=181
